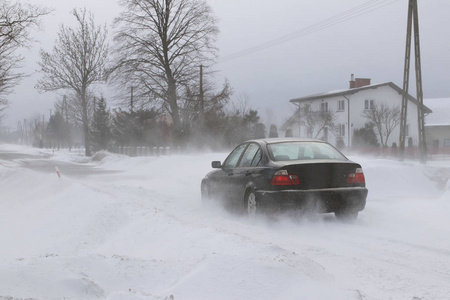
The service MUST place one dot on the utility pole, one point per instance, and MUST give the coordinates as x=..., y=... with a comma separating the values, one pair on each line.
x=413, y=17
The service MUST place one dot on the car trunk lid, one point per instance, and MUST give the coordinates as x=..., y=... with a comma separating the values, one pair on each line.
x=326, y=174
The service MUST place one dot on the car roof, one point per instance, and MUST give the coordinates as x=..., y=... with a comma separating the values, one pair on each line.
x=283, y=140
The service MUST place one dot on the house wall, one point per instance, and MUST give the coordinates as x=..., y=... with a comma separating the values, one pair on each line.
x=438, y=136
x=389, y=96
x=383, y=94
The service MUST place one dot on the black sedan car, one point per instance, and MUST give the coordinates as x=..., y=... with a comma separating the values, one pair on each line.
x=275, y=175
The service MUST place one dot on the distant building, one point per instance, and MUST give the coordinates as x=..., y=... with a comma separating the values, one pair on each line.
x=347, y=107
x=437, y=124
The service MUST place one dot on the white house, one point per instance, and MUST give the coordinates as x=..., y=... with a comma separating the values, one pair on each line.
x=348, y=106
x=437, y=124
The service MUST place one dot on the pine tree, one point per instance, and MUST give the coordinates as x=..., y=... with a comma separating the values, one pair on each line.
x=57, y=130
x=260, y=131
x=273, y=131
x=101, y=126
x=365, y=137
x=138, y=128
x=289, y=133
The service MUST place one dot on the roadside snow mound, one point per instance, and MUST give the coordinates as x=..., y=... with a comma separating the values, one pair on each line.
x=104, y=156
x=388, y=179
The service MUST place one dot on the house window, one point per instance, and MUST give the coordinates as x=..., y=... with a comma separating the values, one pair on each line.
x=446, y=143
x=341, y=105
x=369, y=104
x=324, y=106
x=341, y=130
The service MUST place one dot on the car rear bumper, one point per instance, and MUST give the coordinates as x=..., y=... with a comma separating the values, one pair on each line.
x=320, y=200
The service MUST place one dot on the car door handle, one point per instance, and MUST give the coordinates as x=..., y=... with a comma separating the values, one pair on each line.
x=248, y=173
x=230, y=174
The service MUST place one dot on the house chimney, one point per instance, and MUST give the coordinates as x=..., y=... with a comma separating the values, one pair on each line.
x=352, y=81
x=359, y=82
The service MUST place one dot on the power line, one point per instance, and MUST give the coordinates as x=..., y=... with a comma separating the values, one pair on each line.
x=352, y=13
x=339, y=18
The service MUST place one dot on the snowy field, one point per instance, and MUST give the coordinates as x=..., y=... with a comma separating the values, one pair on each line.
x=142, y=233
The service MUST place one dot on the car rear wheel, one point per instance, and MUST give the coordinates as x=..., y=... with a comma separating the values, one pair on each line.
x=346, y=216
x=251, y=204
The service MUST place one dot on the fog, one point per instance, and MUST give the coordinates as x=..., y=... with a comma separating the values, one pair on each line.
x=369, y=44
x=138, y=230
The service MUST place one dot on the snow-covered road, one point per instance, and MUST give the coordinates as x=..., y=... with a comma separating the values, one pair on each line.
x=142, y=233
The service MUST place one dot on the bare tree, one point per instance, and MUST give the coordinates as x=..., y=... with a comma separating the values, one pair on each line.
x=16, y=23
x=316, y=121
x=195, y=104
x=37, y=128
x=160, y=45
x=386, y=119
x=240, y=106
x=78, y=60
x=74, y=107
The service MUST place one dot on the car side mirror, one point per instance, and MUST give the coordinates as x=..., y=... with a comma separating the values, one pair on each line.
x=216, y=164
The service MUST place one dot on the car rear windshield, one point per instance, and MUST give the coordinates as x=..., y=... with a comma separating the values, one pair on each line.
x=303, y=151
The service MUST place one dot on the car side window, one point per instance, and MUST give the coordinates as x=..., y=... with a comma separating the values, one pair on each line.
x=249, y=155
x=257, y=158
x=234, y=156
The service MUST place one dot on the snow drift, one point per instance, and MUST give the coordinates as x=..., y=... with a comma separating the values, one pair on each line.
x=138, y=231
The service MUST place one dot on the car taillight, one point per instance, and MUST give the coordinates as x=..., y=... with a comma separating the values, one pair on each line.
x=282, y=177
x=357, y=177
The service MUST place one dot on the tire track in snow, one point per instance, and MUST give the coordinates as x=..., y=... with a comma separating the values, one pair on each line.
x=190, y=218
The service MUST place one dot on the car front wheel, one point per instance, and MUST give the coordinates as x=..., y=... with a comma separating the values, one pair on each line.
x=204, y=192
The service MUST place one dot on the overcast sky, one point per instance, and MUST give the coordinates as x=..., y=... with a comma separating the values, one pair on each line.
x=369, y=43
